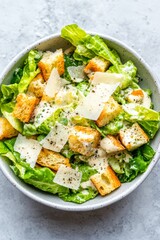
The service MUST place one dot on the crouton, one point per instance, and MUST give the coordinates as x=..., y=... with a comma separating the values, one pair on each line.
x=105, y=182
x=6, y=129
x=83, y=140
x=110, y=111
x=24, y=107
x=36, y=87
x=96, y=64
x=133, y=137
x=50, y=159
x=111, y=144
x=51, y=60
x=135, y=96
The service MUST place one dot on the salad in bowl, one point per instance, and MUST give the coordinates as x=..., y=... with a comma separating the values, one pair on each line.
x=75, y=122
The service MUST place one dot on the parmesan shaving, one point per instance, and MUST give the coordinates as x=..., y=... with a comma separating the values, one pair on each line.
x=28, y=149
x=92, y=105
x=57, y=138
x=68, y=177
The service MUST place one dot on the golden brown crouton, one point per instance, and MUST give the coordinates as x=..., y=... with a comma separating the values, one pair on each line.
x=50, y=159
x=96, y=64
x=111, y=144
x=37, y=86
x=24, y=107
x=83, y=140
x=105, y=182
x=133, y=137
x=6, y=129
x=51, y=60
x=110, y=111
x=135, y=96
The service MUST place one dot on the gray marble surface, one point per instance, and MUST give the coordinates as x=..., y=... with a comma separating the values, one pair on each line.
x=137, y=23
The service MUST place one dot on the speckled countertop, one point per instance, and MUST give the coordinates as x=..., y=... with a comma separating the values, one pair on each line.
x=137, y=23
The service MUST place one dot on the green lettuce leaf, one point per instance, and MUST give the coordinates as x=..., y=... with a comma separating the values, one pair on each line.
x=81, y=50
x=30, y=70
x=67, y=152
x=114, y=126
x=81, y=195
x=150, y=127
x=29, y=129
x=9, y=92
x=88, y=44
x=17, y=75
x=70, y=61
x=138, y=163
x=7, y=110
x=39, y=177
x=73, y=34
x=136, y=112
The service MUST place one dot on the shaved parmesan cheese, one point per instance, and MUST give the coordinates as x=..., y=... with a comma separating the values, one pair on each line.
x=68, y=177
x=108, y=78
x=57, y=138
x=100, y=164
x=54, y=84
x=43, y=111
x=29, y=149
x=92, y=105
x=76, y=73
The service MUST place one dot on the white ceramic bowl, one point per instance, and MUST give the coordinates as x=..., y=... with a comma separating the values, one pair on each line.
x=54, y=42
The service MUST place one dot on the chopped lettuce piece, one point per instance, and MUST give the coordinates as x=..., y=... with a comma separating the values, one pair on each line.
x=89, y=43
x=30, y=70
x=82, y=194
x=114, y=126
x=68, y=62
x=73, y=34
x=79, y=196
x=138, y=163
x=38, y=177
x=137, y=112
x=7, y=110
x=81, y=50
x=83, y=87
x=9, y=92
x=17, y=75
x=150, y=127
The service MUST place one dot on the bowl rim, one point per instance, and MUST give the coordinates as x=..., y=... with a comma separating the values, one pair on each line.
x=81, y=207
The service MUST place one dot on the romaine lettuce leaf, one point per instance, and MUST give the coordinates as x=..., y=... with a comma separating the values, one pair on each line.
x=68, y=62
x=73, y=34
x=30, y=70
x=29, y=129
x=83, y=87
x=114, y=126
x=136, y=112
x=88, y=44
x=7, y=110
x=38, y=177
x=81, y=195
x=9, y=92
x=17, y=75
x=138, y=163
x=150, y=127
x=81, y=50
